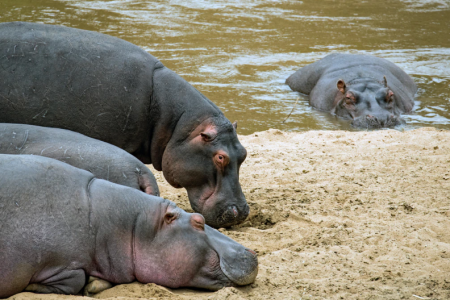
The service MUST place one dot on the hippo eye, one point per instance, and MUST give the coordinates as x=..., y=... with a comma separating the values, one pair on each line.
x=350, y=98
x=221, y=160
x=169, y=217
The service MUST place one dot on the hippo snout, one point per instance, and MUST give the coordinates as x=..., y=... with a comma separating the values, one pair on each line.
x=233, y=215
x=378, y=121
x=238, y=263
x=243, y=268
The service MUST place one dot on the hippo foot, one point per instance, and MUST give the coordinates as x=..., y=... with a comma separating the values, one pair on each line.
x=39, y=288
x=96, y=285
x=66, y=282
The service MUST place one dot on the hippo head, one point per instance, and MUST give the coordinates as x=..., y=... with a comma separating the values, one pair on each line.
x=184, y=252
x=369, y=103
x=206, y=164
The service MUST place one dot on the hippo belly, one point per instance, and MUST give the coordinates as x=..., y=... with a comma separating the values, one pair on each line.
x=60, y=225
x=370, y=91
x=103, y=160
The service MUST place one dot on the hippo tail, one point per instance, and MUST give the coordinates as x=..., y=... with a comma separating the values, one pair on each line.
x=147, y=182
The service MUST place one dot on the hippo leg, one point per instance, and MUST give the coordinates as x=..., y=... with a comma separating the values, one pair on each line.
x=96, y=285
x=66, y=282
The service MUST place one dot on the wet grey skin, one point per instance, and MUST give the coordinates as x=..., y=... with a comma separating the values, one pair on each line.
x=111, y=90
x=61, y=226
x=103, y=160
x=370, y=91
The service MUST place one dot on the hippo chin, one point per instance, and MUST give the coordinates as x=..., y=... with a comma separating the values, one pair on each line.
x=60, y=225
x=370, y=91
x=114, y=91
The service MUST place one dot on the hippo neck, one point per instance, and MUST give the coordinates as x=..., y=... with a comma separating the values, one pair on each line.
x=114, y=216
x=177, y=108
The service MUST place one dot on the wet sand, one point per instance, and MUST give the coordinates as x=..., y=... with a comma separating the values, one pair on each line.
x=335, y=215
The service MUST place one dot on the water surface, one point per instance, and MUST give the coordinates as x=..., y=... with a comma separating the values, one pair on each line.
x=239, y=53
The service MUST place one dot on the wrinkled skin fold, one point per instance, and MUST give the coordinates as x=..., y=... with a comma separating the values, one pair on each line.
x=122, y=235
x=111, y=90
x=370, y=91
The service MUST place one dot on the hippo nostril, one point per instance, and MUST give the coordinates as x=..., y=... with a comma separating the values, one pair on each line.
x=235, y=212
x=251, y=251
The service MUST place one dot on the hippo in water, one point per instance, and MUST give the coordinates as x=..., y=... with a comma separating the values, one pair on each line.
x=103, y=160
x=370, y=91
x=60, y=225
x=111, y=90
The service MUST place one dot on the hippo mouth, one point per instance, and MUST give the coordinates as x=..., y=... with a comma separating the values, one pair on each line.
x=238, y=264
x=369, y=121
x=225, y=216
x=238, y=273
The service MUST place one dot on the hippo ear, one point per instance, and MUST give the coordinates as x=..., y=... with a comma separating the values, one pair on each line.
x=341, y=85
x=169, y=217
x=384, y=81
x=209, y=134
x=235, y=125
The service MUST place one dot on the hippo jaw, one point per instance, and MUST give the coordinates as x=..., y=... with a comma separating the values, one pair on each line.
x=244, y=273
x=218, y=207
x=238, y=263
x=184, y=252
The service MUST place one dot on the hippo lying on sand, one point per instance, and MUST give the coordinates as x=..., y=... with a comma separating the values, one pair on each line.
x=59, y=225
x=371, y=91
x=112, y=90
x=103, y=160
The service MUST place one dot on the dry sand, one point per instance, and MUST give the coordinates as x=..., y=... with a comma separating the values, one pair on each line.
x=335, y=215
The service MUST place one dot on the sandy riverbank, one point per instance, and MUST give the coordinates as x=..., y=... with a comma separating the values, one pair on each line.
x=336, y=215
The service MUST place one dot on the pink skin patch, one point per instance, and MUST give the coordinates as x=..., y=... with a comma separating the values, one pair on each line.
x=221, y=160
x=235, y=211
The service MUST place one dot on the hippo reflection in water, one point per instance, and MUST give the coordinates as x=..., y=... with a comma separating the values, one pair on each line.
x=60, y=225
x=370, y=91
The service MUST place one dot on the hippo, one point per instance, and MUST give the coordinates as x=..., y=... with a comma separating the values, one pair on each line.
x=114, y=91
x=103, y=160
x=370, y=91
x=60, y=226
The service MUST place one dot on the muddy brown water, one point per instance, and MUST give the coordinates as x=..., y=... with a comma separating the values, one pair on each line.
x=239, y=52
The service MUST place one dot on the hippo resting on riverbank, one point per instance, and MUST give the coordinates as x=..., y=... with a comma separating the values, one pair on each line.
x=369, y=90
x=103, y=160
x=112, y=90
x=59, y=225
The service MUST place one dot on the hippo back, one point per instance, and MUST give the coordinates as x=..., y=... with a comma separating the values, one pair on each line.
x=74, y=79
